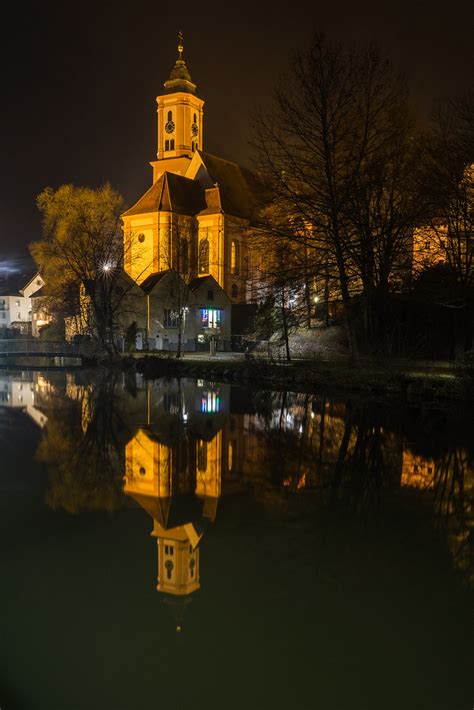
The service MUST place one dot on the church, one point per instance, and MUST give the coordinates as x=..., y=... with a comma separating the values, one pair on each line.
x=196, y=216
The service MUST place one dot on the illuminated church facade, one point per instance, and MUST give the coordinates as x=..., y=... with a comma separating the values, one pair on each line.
x=196, y=215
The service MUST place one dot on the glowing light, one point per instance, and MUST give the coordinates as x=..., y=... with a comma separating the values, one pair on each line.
x=316, y=299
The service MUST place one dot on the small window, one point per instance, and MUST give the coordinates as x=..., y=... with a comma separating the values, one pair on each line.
x=210, y=317
x=166, y=549
x=172, y=144
x=141, y=238
x=210, y=295
x=170, y=116
x=167, y=145
x=171, y=550
x=142, y=471
x=194, y=118
x=170, y=318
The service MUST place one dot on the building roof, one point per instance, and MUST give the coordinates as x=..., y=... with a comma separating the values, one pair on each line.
x=242, y=192
x=180, y=78
x=150, y=282
x=199, y=280
x=171, y=193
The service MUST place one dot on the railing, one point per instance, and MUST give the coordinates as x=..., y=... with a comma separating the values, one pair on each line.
x=40, y=347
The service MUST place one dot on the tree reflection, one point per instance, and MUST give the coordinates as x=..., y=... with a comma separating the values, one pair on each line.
x=295, y=453
x=453, y=506
x=82, y=446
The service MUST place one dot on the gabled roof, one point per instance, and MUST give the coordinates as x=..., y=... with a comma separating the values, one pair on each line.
x=171, y=193
x=242, y=192
x=199, y=280
x=37, y=277
x=150, y=282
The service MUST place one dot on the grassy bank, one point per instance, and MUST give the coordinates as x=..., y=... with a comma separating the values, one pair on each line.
x=407, y=381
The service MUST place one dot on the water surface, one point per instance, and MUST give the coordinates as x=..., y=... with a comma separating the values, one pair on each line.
x=189, y=544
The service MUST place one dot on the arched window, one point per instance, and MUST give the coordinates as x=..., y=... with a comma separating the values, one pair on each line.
x=204, y=256
x=194, y=118
x=170, y=116
x=184, y=256
x=167, y=145
x=192, y=146
x=172, y=144
x=235, y=257
x=169, y=568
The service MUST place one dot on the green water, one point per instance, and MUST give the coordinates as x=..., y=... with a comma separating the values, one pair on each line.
x=334, y=540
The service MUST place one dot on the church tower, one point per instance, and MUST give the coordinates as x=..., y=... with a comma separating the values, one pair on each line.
x=180, y=114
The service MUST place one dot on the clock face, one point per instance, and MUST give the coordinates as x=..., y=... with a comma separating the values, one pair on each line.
x=194, y=129
x=169, y=127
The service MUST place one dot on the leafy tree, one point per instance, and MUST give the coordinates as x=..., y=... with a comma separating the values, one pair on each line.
x=81, y=257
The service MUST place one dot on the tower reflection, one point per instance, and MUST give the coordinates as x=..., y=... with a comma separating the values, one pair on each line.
x=173, y=470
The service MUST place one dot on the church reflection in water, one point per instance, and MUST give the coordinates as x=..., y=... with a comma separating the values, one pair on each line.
x=176, y=447
x=173, y=470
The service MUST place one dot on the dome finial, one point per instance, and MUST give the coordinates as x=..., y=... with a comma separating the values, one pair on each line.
x=180, y=44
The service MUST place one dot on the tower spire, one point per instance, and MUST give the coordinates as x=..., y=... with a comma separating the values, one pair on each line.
x=180, y=78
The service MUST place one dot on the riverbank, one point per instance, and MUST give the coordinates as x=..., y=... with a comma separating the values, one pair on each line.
x=407, y=381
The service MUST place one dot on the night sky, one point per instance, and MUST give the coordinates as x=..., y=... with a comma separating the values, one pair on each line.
x=80, y=80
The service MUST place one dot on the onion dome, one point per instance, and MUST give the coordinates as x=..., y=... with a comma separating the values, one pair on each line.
x=180, y=78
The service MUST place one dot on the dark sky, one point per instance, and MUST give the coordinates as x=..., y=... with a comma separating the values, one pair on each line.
x=80, y=80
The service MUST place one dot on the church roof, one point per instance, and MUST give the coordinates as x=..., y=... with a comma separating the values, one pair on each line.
x=242, y=191
x=171, y=193
x=224, y=187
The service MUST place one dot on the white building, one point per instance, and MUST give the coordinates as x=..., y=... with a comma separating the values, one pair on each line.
x=16, y=304
x=22, y=392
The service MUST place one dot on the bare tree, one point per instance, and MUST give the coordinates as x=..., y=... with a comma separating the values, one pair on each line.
x=180, y=255
x=449, y=182
x=331, y=123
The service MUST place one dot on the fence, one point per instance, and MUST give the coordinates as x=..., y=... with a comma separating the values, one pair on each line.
x=24, y=346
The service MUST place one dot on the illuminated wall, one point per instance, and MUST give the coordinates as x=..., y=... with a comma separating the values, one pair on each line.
x=148, y=469
x=417, y=471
